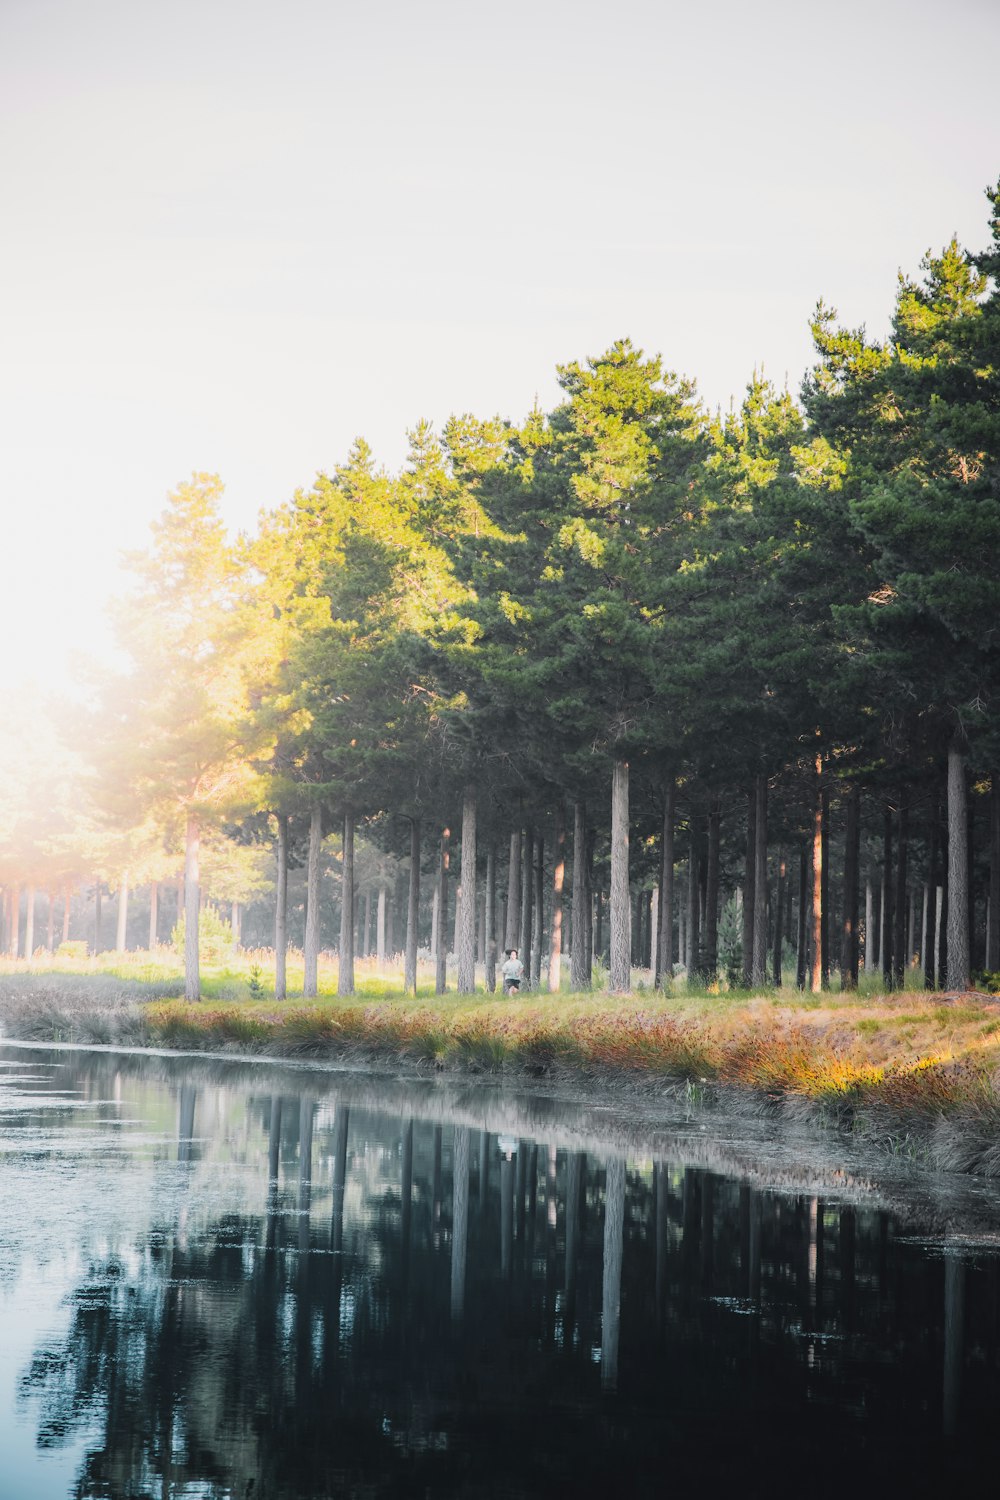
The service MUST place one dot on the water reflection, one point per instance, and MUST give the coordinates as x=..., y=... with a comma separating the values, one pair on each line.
x=291, y=1285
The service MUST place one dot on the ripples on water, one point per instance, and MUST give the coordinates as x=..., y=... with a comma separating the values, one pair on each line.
x=232, y=1280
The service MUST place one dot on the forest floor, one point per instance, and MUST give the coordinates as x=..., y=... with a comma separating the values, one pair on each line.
x=919, y=1070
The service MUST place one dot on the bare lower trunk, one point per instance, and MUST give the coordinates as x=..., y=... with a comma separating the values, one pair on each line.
x=281, y=910
x=558, y=877
x=539, y=925
x=869, y=929
x=825, y=894
x=29, y=924
x=665, y=947
x=579, y=972
x=817, y=881
x=50, y=932
x=620, y=917
x=97, y=915
x=527, y=899
x=760, y=883
x=849, y=925
x=192, y=903
x=993, y=941
x=512, y=935
x=712, y=890
x=958, y=872
x=467, y=914
x=412, y=909
x=900, y=957
x=121, y=931
x=67, y=904
x=887, y=907
x=311, y=944
x=441, y=966
x=803, y=930
x=489, y=920
x=345, y=962
x=154, y=905
x=236, y=922
x=779, y=908
x=693, y=926
x=750, y=868
x=14, y=934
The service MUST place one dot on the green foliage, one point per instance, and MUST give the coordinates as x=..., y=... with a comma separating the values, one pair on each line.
x=215, y=937
x=731, y=942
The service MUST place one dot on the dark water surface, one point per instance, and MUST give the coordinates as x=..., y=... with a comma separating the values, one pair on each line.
x=239, y=1280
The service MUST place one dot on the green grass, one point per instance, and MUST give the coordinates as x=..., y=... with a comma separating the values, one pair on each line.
x=912, y=1051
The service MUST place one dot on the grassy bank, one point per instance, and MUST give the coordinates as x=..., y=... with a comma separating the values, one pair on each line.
x=900, y=1064
x=907, y=1066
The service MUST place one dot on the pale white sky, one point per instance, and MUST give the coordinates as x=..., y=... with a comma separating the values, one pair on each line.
x=237, y=233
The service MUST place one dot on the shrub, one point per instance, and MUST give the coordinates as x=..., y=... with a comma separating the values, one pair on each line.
x=215, y=937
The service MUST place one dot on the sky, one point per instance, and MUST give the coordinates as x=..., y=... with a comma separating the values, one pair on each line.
x=237, y=233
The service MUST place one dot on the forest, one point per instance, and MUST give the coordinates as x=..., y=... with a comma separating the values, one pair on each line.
x=628, y=683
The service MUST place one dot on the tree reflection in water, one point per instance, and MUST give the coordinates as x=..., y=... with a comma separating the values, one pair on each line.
x=344, y=1323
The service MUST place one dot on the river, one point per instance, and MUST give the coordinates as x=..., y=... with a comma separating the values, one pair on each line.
x=244, y=1279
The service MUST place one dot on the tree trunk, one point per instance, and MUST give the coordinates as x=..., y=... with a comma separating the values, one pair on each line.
x=366, y=935
x=599, y=924
x=958, y=871
x=154, y=912
x=97, y=914
x=236, y=922
x=760, y=884
x=67, y=905
x=441, y=965
x=192, y=903
x=817, y=881
x=693, y=928
x=490, y=919
x=750, y=868
x=558, y=876
x=539, y=927
x=512, y=933
x=869, y=929
x=121, y=926
x=779, y=908
x=802, y=933
x=380, y=928
x=345, y=958
x=467, y=917
x=887, y=908
x=620, y=968
x=993, y=943
x=900, y=957
x=281, y=910
x=412, y=909
x=50, y=931
x=579, y=968
x=712, y=891
x=311, y=940
x=849, y=924
x=665, y=947
x=29, y=924
x=825, y=892
x=527, y=899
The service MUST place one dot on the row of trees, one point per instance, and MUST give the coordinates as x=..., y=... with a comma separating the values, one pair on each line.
x=743, y=642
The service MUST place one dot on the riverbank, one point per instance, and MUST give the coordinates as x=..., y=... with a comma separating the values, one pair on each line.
x=921, y=1072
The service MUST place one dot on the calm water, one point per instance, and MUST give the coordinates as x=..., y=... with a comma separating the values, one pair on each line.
x=230, y=1280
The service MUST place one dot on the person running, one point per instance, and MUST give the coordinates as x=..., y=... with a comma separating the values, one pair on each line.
x=512, y=972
